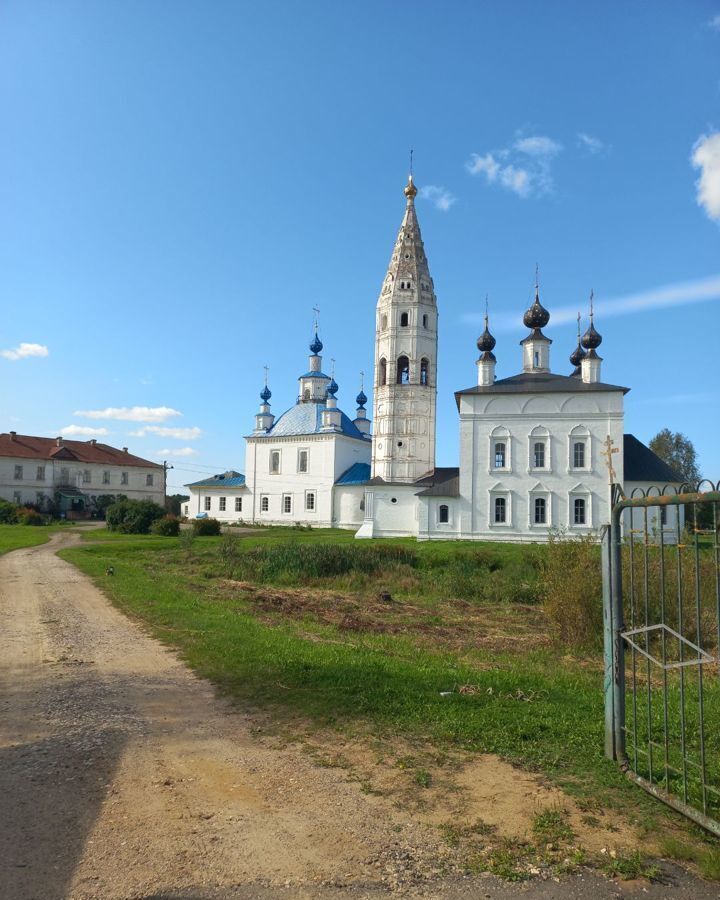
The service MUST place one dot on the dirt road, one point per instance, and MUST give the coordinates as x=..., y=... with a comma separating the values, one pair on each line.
x=123, y=776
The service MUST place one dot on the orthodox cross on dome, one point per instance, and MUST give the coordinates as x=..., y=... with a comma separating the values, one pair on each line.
x=592, y=300
x=316, y=320
x=537, y=277
x=332, y=367
x=362, y=380
x=267, y=369
x=411, y=162
x=579, y=317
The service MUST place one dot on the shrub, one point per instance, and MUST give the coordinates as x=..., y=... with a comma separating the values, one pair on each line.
x=168, y=526
x=28, y=516
x=8, y=513
x=206, y=527
x=186, y=539
x=133, y=516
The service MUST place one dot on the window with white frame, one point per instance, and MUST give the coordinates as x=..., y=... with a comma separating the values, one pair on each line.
x=41, y=473
x=538, y=456
x=18, y=473
x=274, y=462
x=123, y=478
x=208, y=504
x=186, y=508
x=500, y=449
x=443, y=514
x=500, y=510
x=149, y=480
x=578, y=454
x=238, y=504
x=223, y=504
x=539, y=448
x=106, y=477
x=579, y=448
x=287, y=504
x=539, y=510
x=264, y=503
x=310, y=501
x=579, y=511
x=86, y=476
x=302, y=461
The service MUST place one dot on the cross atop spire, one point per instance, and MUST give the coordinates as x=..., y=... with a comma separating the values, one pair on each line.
x=592, y=298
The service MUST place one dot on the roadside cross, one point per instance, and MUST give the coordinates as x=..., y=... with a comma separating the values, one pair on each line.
x=608, y=454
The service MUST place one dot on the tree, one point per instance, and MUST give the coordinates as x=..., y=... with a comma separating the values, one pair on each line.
x=174, y=502
x=678, y=452
x=133, y=516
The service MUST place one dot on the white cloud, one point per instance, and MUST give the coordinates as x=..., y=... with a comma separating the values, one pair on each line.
x=180, y=434
x=22, y=351
x=588, y=142
x=706, y=157
x=714, y=23
x=82, y=431
x=179, y=451
x=681, y=294
x=524, y=168
x=130, y=413
x=438, y=195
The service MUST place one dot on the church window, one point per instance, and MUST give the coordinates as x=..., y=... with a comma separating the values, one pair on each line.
x=287, y=503
x=302, y=460
x=425, y=321
x=579, y=455
x=540, y=510
x=539, y=455
x=537, y=360
x=444, y=514
x=264, y=503
x=208, y=504
x=579, y=511
x=223, y=504
x=424, y=364
x=500, y=510
x=383, y=322
x=403, y=370
x=310, y=501
x=404, y=320
x=18, y=473
x=306, y=394
x=274, y=462
x=238, y=504
x=500, y=455
x=383, y=372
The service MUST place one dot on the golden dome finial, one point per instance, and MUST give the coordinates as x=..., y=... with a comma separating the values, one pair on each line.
x=410, y=190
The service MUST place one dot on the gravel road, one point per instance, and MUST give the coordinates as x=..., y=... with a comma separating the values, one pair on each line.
x=123, y=776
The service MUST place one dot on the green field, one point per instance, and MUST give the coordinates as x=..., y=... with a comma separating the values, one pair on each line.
x=293, y=623
x=12, y=537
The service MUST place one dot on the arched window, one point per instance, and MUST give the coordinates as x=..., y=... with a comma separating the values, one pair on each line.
x=500, y=510
x=444, y=514
x=402, y=285
x=579, y=511
x=539, y=455
x=383, y=372
x=540, y=510
x=500, y=454
x=424, y=365
x=425, y=321
x=306, y=394
x=403, y=370
x=579, y=454
x=383, y=322
x=404, y=320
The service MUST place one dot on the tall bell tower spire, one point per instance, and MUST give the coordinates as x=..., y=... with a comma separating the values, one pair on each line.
x=405, y=358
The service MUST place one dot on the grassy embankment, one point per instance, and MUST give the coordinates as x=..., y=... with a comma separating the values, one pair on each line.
x=13, y=537
x=293, y=623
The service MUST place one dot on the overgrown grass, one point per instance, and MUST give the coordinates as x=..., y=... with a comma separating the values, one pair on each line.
x=13, y=537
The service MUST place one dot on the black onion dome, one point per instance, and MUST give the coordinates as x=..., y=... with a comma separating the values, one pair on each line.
x=361, y=399
x=265, y=394
x=591, y=339
x=577, y=356
x=486, y=342
x=332, y=388
x=537, y=316
x=316, y=345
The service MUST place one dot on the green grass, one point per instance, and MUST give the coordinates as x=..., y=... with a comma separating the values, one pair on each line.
x=13, y=537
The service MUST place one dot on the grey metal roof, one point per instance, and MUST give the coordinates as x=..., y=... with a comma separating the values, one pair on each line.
x=538, y=383
x=443, y=482
x=306, y=418
x=641, y=464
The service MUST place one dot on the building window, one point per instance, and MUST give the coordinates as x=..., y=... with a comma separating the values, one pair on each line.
x=65, y=476
x=539, y=455
x=106, y=477
x=287, y=504
x=41, y=473
x=425, y=321
x=540, y=511
x=186, y=508
x=149, y=479
x=223, y=504
x=383, y=323
x=238, y=504
x=403, y=370
x=86, y=476
x=40, y=498
x=123, y=478
x=443, y=514
x=500, y=510
x=18, y=473
x=579, y=454
x=306, y=394
x=17, y=498
x=537, y=360
x=404, y=320
x=302, y=460
x=500, y=455
x=424, y=364
x=264, y=504
x=274, y=462
x=579, y=511
x=208, y=504
x=310, y=501
x=383, y=372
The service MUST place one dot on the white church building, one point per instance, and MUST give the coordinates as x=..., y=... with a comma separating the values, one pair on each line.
x=534, y=448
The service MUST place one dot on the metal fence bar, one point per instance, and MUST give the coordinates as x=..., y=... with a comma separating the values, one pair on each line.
x=701, y=695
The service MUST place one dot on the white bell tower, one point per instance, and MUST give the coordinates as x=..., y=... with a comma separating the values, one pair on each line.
x=405, y=359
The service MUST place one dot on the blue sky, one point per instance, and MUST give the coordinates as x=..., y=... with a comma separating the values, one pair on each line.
x=180, y=182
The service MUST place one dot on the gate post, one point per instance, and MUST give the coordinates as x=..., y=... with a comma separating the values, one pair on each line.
x=618, y=626
x=608, y=645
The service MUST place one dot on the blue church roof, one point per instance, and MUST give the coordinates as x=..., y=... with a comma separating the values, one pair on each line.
x=306, y=418
x=358, y=473
x=226, y=479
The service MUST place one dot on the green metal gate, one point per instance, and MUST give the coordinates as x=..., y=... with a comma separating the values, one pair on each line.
x=661, y=600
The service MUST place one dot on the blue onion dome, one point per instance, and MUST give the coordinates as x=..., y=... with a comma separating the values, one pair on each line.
x=537, y=316
x=316, y=345
x=265, y=394
x=332, y=388
x=486, y=342
x=591, y=340
x=361, y=399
